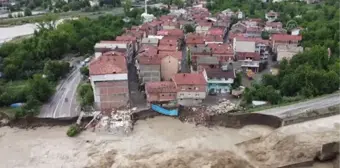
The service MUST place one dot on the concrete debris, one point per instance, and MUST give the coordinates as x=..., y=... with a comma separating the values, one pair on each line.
x=224, y=106
x=119, y=122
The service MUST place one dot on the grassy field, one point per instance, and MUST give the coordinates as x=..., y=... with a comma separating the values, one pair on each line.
x=39, y=18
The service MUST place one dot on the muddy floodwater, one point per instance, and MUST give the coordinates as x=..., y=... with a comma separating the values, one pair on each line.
x=158, y=142
x=158, y=138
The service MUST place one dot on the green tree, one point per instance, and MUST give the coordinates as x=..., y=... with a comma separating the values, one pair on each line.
x=40, y=88
x=55, y=70
x=188, y=28
x=84, y=71
x=179, y=3
x=27, y=12
x=265, y=35
x=127, y=6
x=65, y=8
x=85, y=94
x=237, y=81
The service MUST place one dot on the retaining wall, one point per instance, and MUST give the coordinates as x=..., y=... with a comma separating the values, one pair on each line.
x=240, y=120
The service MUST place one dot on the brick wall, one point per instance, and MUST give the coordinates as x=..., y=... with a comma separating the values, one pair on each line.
x=112, y=94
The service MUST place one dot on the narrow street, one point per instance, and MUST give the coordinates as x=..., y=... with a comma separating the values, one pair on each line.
x=58, y=107
x=298, y=108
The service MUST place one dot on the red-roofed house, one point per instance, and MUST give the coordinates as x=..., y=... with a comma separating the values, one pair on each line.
x=105, y=46
x=171, y=43
x=130, y=38
x=213, y=39
x=148, y=69
x=249, y=60
x=216, y=32
x=170, y=64
x=224, y=52
x=203, y=27
x=109, y=80
x=160, y=92
x=194, y=40
x=284, y=39
x=191, y=88
x=260, y=44
x=169, y=25
x=253, y=32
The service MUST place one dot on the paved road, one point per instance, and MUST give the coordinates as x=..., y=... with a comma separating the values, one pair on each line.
x=57, y=107
x=294, y=109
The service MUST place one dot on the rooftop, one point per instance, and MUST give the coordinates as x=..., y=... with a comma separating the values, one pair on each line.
x=167, y=47
x=221, y=48
x=189, y=79
x=285, y=37
x=176, y=54
x=160, y=87
x=143, y=60
x=219, y=73
x=108, y=65
x=216, y=31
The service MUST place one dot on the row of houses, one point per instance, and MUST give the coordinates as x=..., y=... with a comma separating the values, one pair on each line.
x=156, y=51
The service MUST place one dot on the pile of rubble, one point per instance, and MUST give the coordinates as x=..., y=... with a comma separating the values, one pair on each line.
x=118, y=122
x=224, y=106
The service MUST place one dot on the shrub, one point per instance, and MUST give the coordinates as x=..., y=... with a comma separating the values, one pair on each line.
x=74, y=130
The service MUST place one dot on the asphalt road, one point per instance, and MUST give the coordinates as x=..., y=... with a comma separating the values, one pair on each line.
x=57, y=107
x=313, y=104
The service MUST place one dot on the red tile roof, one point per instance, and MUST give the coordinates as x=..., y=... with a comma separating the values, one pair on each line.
x=253, y=29
x=176, y=54
x=169, y=47
x=166, y=17
x=256, y=40
x=114, y=53
x=126, y=38
x=285, y=37
x=215, y=31
x=221, y=49
x=195, y=40
x=160, y=87
x=150, y=49
x=189, y=79
x=243, y=55
x=168, y=41
x=108, y=65
x=143, y=60
x=212, y=38
x=172, y=32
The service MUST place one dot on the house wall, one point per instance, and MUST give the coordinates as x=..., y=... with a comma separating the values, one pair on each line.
x=202, y=29
x=111, y=94
x=150, y=73
x=189, y=102
x=253, y=34
x=161, y=97
x=169, y=67
x=221, y=86
x=191, y=91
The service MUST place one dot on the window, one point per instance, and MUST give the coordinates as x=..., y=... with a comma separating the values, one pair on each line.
x=196, y=88
x=189, y=88
x=162, y=94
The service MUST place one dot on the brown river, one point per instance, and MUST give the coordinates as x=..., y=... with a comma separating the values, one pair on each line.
x=162, y=142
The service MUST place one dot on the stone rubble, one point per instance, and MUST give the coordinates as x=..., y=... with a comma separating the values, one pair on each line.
x=118, y=122
x=224, y=106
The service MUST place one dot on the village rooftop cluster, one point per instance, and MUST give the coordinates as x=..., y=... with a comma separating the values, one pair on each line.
x=173, y=67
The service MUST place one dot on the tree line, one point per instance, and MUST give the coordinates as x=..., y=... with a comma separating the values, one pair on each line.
x=311, y=73
x=37, y=62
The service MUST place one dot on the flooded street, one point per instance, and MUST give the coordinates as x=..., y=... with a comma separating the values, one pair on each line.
x=158, y=142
